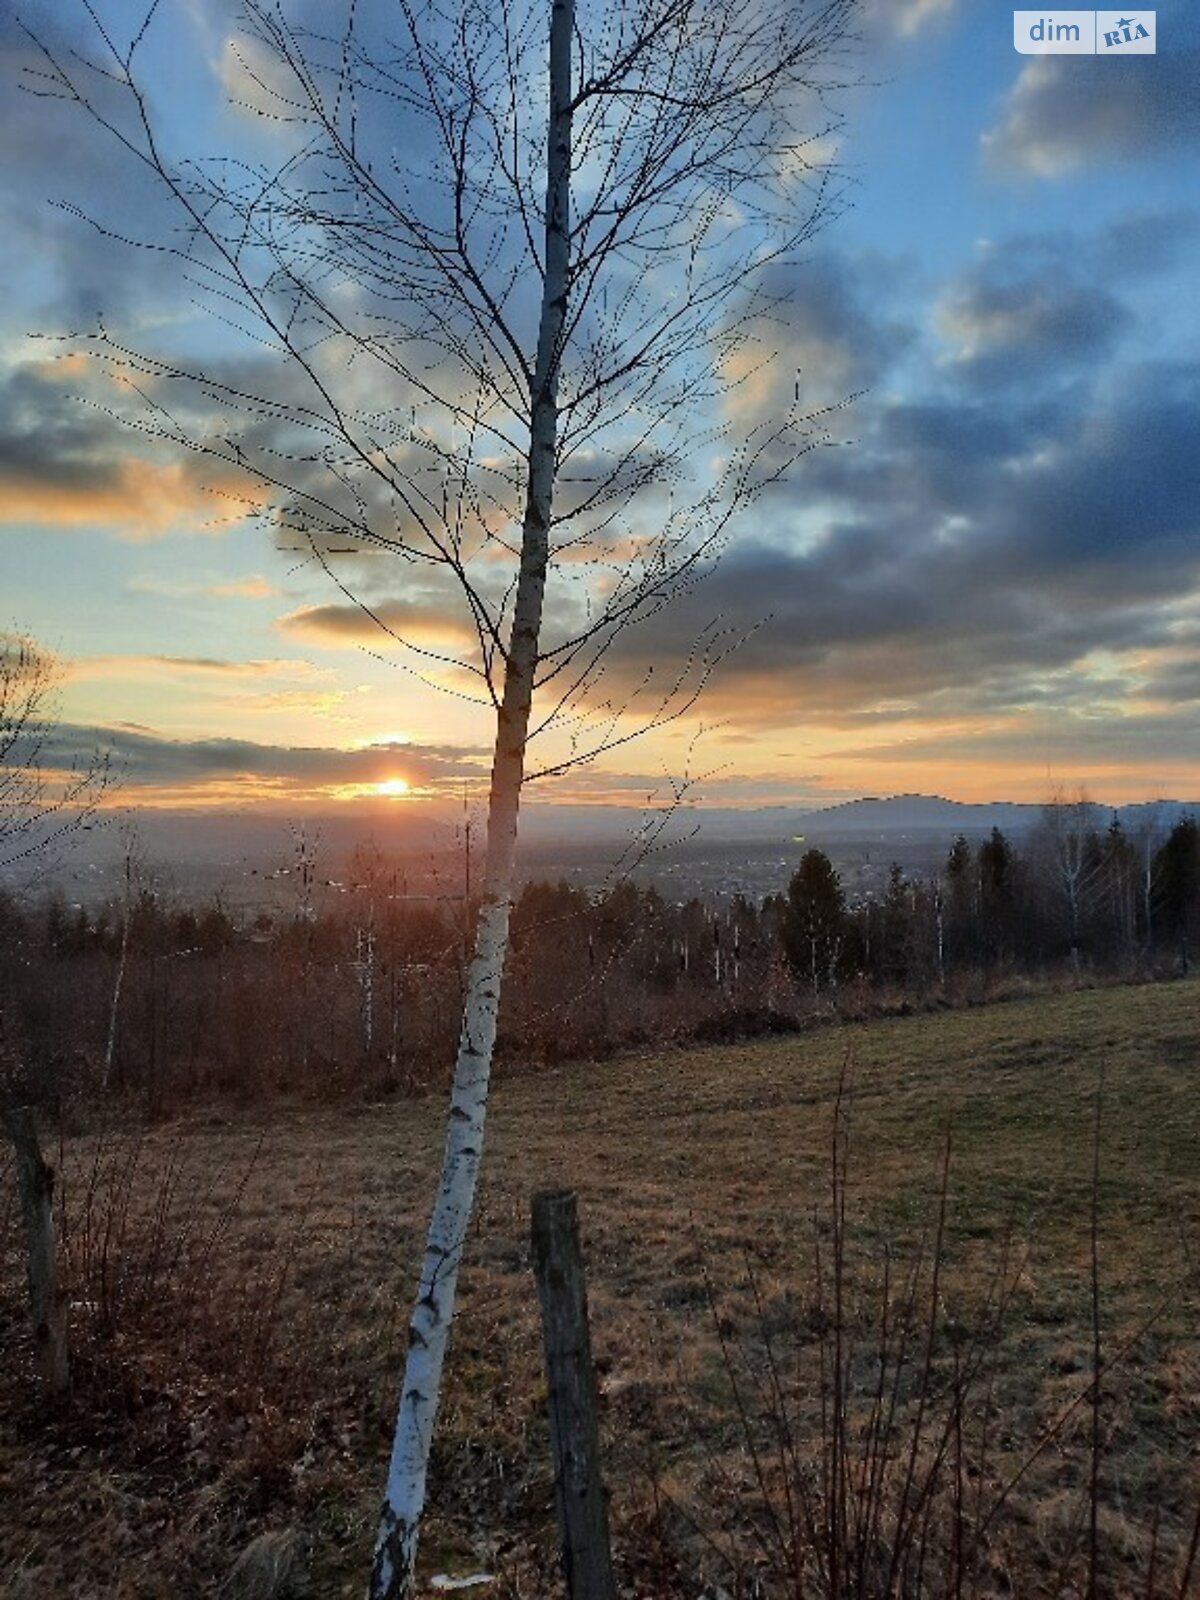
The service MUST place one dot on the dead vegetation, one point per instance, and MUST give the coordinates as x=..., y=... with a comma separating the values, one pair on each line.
x=238, y=1283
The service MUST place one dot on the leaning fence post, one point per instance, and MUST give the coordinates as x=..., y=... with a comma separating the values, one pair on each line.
x=35, y=1185
x=574, y=1435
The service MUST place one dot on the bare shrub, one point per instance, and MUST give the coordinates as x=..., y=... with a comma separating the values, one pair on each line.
x=882, y=1450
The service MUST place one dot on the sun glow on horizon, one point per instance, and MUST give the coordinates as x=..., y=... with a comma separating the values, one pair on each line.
x=381, y=789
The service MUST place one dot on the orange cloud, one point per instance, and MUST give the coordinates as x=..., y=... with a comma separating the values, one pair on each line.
x=412, y=622
x=244, y=589
x=139, y=499
x=88, y=668
x=253, y=587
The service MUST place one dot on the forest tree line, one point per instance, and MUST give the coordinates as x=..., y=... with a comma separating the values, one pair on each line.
x=150, y=996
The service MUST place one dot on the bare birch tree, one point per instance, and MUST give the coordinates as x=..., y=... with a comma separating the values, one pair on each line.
x=132, y=870
x=1068, y=835
x=44, y=796
x=1148, y=833
x=511, y=303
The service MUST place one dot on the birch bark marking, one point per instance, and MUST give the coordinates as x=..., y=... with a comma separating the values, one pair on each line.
x=394, y=1570
x=35, y=1184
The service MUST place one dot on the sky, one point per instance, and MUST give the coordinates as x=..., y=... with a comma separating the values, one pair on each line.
x=984, y=585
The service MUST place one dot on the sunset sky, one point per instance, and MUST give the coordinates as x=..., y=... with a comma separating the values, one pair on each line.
x=989, y=585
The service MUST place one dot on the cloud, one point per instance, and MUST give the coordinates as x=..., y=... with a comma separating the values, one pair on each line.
x=145, y=760
x=1007, y=329
x=831, y=334
x=57, y=159
x=1008, y=540
x=1078, y=739
x=68, y=461
x=253, y=80
x=274, y=686
x=970, y=562
x=1065, y=113
x=1014, y=529
x=253, y=587
x=139, y=500
x=1177, y=682
x=1143, y=243
x=912, y=15
x=89, y=668
x=650, y=791
x=905, y=18
x=418, y=622
x=1044, y=308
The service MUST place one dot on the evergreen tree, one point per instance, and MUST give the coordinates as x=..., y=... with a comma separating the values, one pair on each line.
x=1118, y=875
x=898, y=930
x=960, y=903
x=814, y=921
x=1177, y=885
x=996, y=868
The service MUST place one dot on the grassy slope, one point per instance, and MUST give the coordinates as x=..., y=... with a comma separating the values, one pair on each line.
x=682, y=1162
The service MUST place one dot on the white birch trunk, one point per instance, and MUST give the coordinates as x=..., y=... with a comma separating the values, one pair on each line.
x=940, y=913
x=110, y=1049
x=393, y=1572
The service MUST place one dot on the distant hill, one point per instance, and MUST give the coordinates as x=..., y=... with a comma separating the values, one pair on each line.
x=896, y=817
x=918, y=813
x=900, y=816
x=905, y=815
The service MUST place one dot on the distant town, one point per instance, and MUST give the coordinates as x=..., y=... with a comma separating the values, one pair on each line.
x=253, y=862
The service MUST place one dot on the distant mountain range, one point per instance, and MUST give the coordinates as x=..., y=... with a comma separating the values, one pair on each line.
x=899, y=816
x=923, y=815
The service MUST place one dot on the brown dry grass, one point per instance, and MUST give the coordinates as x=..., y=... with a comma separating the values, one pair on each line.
x=249, y=1387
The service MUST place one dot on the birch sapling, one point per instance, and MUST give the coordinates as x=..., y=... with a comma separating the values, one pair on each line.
x=555, y=292
x=393, y=1572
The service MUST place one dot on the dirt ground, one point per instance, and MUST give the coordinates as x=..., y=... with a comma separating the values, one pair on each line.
x=239, y=1284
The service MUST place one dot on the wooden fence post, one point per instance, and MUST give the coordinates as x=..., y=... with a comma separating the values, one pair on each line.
x=574, y=1435
x=35, y=1185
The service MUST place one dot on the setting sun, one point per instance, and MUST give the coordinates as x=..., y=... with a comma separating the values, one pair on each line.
x=394, y=786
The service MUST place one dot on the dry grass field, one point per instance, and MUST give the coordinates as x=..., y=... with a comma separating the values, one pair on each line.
x=239, y=1283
